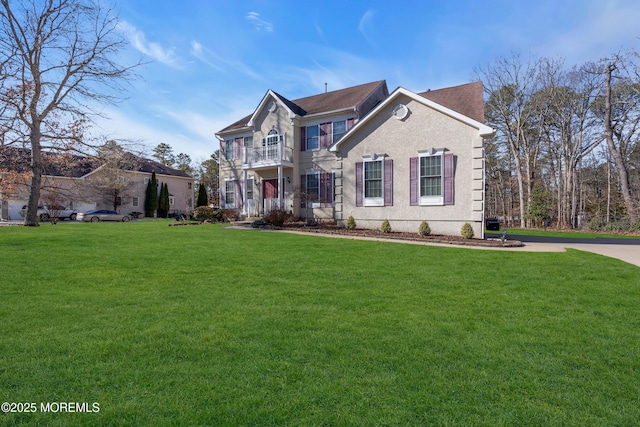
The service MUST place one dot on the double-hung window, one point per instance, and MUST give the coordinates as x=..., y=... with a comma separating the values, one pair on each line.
x=339, y=129
x=374, y=181
x=250, y=188
x=317, y=189
x=312, y=188
x=229, y=193
x=312, y=137
x=432, y=178
x=229, y=149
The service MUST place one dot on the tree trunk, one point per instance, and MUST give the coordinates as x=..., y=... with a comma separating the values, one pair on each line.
x=31, y=219
x=617, y=156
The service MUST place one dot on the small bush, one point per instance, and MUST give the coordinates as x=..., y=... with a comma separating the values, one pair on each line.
x=203, y=213
x=277, y=217
x=467, y=231
x=597, y=224
x=424, y=229
x=385, y=227
x=351, y=223
x=229, y=215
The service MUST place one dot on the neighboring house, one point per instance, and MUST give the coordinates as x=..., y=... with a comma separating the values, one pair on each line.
x=81, y=185
x=362, y=152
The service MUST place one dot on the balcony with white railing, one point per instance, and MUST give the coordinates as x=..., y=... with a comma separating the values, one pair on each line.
x=267, y=156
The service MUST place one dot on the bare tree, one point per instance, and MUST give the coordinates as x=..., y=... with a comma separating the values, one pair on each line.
x=111, y=182
x=510, y=84
x=621, y=128
x=60, y=55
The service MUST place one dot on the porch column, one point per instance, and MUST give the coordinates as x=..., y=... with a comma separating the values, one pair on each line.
x=244, y=192
x=280, y=187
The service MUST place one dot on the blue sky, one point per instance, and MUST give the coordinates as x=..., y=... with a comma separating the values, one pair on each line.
x=210, y=62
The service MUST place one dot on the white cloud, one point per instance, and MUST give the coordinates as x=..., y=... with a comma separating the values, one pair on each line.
x=199, y=52
x=260, y=24
x=366, y=25
x=139, y=41
x=211, y=59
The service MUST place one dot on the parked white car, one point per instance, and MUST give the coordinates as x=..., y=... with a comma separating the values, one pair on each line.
x=46, y=212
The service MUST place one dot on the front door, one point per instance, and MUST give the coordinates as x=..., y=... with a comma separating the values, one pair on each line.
x=270, y=188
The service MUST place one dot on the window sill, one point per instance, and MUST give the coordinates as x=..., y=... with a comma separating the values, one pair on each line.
x=373, y=201
x=431, y=201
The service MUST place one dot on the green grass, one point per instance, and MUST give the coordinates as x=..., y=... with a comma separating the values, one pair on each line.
x=208, y=326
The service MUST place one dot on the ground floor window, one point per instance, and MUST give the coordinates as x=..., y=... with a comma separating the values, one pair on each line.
x=229, y=193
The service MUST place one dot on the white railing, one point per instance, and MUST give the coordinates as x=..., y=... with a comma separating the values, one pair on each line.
x=275, y=153
x=251, y=207
x=272, y=204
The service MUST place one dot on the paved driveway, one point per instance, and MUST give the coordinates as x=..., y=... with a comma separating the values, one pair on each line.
x=627, y=250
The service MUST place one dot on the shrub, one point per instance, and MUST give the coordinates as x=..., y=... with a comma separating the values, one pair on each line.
x=424, y=229
x=466, y=231
x=277, y=217
x=203, y=213
x=351, y=223
x=597, y=224
x=385, y=227
x=229, y=215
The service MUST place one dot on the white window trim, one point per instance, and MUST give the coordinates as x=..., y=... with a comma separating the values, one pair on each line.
x=228, y=205
x=306, y=142
x=229, y=154
x=333, y=127
x=372, y=201
x=432, y=200
x=317, y=174
x=249, y=187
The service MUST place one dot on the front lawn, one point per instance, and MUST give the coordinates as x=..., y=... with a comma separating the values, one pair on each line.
x=202, y=325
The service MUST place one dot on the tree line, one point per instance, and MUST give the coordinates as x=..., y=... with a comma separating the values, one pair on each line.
x=566, y=150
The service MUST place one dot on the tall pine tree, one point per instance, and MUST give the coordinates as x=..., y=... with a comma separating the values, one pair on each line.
x=151, y=197
x=202, y=196
x=163, y=201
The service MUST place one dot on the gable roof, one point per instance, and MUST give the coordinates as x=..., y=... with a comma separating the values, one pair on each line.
x=148, y=166
x=482, y=128
x=19, y=160
x=466, y=99
x=54, y=164
x=348, y=98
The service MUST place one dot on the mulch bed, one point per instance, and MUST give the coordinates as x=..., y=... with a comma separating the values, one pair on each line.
x=333, y=229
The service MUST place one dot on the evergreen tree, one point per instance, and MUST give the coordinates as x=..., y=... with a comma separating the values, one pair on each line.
x=151, y=197
x=202, y=196
x=163, y=201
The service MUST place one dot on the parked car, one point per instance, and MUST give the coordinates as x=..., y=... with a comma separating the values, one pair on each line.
x=46, y=212
x=103, y=215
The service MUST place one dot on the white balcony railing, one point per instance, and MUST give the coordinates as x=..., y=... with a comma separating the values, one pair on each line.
x=271, y=154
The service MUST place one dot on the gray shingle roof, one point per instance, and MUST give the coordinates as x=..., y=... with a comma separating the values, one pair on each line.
x=465, y=99
x=19, y=159
x=349, y=97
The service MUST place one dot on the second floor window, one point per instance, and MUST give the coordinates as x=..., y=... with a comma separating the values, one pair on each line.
x=229, y=150
x=339, y=129
x=312, y=137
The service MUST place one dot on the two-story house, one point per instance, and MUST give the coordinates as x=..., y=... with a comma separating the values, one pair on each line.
x=362, y=152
